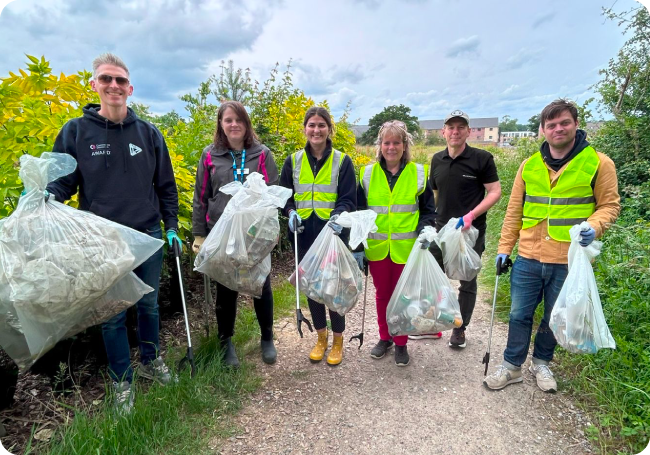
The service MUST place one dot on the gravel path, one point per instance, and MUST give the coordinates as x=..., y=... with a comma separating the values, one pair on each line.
x=436, y=405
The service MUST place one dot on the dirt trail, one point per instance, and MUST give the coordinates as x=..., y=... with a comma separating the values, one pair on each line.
x=436, y=405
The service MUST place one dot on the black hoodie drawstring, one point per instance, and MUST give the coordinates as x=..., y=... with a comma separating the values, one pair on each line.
x=123, y=148
x=106, y=149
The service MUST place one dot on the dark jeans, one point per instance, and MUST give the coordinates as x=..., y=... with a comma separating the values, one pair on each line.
x=226, y=309
x=116, y=340
x=530, y=281
x=467, y=290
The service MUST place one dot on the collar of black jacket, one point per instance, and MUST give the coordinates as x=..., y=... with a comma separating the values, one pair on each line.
x=326, y=153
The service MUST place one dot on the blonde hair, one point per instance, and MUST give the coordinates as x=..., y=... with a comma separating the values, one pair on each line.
x=395, y=128
x=108, y=58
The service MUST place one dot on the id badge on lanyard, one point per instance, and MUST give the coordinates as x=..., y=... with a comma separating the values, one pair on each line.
x=236, y=173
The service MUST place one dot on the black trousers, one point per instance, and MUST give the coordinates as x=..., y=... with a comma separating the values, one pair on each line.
x=467, y=290
x=226, y=309
x=318, y=310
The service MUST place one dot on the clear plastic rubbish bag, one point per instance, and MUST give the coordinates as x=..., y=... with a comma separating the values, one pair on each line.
x=458, y=255
x=62, y=270
x=328, y=273
x=577, y=319
x=236, y=253
x=424, y=300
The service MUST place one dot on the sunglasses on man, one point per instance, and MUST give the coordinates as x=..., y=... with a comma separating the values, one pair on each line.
x=107, y=79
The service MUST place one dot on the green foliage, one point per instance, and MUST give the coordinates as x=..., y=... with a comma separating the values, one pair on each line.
x=435, y=139
x=533, y=123
x=35, y=105
x=400, y=112
x=510, y=124
x=233, y=84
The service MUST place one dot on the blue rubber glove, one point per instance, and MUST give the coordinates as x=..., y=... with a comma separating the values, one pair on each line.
x=171, y=235
x=337, y=228
x=501, y=258
x=295, y=222
x=360, y=257
x=587, y=236
x=46, y=195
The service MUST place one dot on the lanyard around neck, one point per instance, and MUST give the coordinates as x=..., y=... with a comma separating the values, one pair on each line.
x=234, y=165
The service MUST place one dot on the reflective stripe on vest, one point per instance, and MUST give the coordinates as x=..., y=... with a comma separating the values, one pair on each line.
x=571, y=201
x=398, y=211
x=315, y=194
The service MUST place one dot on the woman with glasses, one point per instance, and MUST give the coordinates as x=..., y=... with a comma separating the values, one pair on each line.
x=234, y=154
x=397, y=190
x=324, y=185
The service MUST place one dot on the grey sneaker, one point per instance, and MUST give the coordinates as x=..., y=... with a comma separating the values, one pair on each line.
x=379, y=351
x=545, y=380
x=122, y=397
x=501, y=377
x=157, y=371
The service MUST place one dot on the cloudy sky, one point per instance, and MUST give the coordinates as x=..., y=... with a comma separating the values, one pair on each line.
x=487, y=58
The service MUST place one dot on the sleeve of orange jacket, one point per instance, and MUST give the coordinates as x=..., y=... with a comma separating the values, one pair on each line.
x=608, y=201
x=513, y=219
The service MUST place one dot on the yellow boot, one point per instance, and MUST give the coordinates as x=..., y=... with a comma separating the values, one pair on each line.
x=336, y=354
x=317, y=354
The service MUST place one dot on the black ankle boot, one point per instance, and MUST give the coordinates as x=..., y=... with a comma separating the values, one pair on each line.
x=229, y=354
x=269, y=353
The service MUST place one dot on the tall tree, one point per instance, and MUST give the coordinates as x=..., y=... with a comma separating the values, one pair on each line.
x=533, y=123
x=400, y=112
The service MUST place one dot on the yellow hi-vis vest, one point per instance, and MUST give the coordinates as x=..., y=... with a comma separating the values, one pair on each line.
x=571, y=201
x=398, y=211
x=315, y=194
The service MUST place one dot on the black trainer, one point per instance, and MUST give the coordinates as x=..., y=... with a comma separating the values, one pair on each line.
x=457, y=338
x=402, y=357
x=269, y=353
x=229, y=354
x=380, y=349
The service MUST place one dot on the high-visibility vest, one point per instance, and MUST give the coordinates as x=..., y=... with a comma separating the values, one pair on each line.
x=398, y=211
x=315, y=194
x=571, y=201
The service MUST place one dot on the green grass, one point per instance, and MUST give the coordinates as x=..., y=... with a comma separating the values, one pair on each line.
x=612, y=386
x=180, y=418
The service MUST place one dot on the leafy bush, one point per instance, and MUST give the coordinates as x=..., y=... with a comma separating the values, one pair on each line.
x=35, y=105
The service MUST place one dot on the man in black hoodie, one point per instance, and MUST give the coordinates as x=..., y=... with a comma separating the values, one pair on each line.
x=124, y=173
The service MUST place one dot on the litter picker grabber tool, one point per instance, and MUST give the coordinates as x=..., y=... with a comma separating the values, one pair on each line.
x=189, y=356
x=502, y=267
x=363, y=314
x=299, y=317
x=207, y=303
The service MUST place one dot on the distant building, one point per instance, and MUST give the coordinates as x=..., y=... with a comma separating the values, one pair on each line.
x=508, y=136
x=482, y=129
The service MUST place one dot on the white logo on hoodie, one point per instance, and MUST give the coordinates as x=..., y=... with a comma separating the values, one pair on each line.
x=134, y=149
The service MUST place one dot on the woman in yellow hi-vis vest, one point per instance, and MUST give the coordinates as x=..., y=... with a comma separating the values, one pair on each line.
x=398, y=191
x=324, y=186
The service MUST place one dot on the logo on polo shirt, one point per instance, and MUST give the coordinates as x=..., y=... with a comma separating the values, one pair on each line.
x=469, y=176
x=134, y=149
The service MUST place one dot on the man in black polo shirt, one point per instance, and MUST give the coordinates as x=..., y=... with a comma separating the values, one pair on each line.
x=465, y=184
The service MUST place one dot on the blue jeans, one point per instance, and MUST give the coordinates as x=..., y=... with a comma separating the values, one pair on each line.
x=530, y=281
x=116, y=340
